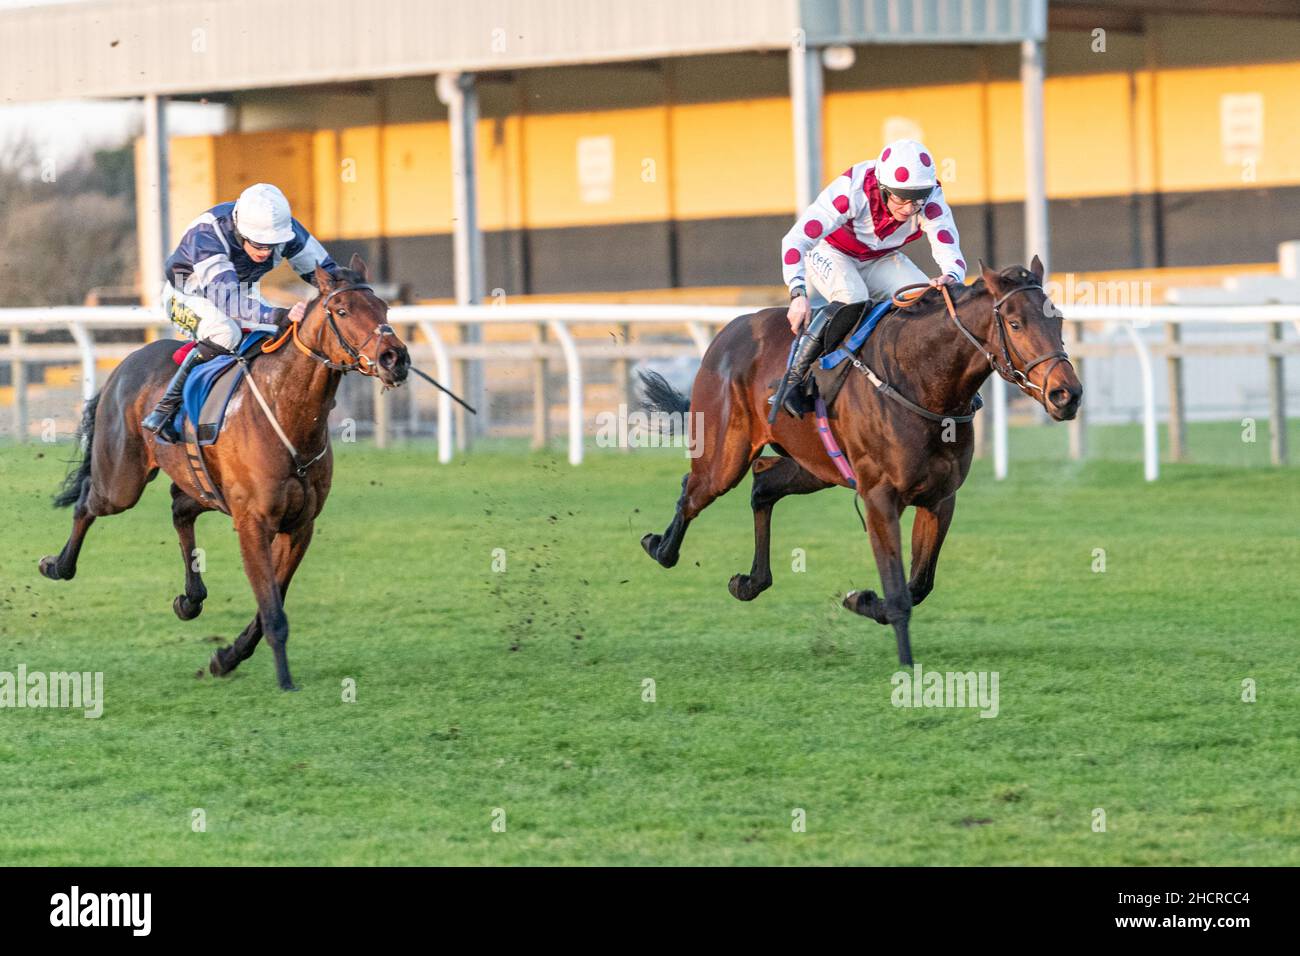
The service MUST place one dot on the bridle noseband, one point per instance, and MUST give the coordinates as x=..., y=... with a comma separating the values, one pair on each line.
x=360, y=363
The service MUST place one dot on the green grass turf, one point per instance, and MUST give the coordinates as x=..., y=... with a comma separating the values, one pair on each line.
x=523, y=690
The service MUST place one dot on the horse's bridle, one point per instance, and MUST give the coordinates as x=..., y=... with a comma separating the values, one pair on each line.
x=1007, y=369
x=360, y=363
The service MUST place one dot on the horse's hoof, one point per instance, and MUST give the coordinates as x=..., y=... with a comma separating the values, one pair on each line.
x=217, y=666
x=50, y=568
x=653, y=543
x=745, y=588
x=649, y=542
x=186, y=609
x=867, y=604
x=288, y=687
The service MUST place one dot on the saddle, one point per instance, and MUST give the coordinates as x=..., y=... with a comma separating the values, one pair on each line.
x=844, y=340
x=210, y=387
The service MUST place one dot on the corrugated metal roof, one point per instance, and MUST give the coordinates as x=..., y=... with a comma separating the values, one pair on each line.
x=133, y=47
x=924, y=21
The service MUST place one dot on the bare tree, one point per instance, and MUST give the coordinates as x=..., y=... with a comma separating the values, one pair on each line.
x=63, y=232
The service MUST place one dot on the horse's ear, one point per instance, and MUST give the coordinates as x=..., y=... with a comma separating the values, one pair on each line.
x=990, y=279
x=324, y=281
x=1036, y=267
x=358, y=265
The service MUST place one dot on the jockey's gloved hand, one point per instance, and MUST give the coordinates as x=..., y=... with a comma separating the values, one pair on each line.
x=281, y=318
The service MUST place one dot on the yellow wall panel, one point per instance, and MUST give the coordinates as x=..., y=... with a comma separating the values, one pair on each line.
x=1090, y=146
x=417, y=178
x=281, y=157
x=359, y=183
x=500, y=147
x=1144, y=138
x=192, y=171
x=731, y=159
x=1191, y=148
x=859, y=123
x=1006, y=173
x=415, y=191
x=553, y=194
x=324, y=223
x=1088, y=136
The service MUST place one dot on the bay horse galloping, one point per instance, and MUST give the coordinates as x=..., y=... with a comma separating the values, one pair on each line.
x=903, y=424
x=274, y=483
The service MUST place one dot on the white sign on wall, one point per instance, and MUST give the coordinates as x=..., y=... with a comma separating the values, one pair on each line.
x=596, y=168
x=1241, y=126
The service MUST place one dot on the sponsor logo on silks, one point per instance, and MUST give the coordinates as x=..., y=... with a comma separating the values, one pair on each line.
x=946, y=689
x=821, y=264
x=74, y=690
x=133, y=910
x=184, y=317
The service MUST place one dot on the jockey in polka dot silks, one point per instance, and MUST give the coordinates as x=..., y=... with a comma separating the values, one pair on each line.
x=847, y=246
x=212, y=289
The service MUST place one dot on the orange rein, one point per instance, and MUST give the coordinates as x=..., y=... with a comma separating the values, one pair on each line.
x=909, y=294
x=274, y=346
x=292, y=330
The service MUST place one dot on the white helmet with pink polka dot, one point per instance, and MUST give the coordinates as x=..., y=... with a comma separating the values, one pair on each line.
x=906, y=169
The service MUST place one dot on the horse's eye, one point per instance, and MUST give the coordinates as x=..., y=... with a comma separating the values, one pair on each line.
x=1014, y=325
x=342, y=313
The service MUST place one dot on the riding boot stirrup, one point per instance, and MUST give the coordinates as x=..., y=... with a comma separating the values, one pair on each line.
x=807, y=348
x=159, y=420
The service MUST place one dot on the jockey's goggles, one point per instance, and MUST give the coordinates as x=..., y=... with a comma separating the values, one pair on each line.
x=907, y=195
x=259, y=246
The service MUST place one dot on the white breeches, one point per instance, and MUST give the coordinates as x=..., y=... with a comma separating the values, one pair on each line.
x=836, y=277
x=197, y=316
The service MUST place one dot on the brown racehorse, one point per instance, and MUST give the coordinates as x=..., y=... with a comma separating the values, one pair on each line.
x=899, y=456
x=273, y=499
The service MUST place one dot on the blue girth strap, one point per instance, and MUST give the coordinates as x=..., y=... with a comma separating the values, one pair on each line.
x=854, y=341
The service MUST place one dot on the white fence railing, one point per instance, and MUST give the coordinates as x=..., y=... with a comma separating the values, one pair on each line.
x=1090, y=332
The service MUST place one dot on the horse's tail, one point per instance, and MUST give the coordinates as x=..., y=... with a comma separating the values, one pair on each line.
x=660, y=396
x=79, y=474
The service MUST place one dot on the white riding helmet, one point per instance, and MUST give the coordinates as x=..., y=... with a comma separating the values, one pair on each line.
x=906, y=169
x=262, y=214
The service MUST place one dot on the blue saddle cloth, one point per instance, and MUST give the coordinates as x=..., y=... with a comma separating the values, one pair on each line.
x=203, y=379
x=855, y=340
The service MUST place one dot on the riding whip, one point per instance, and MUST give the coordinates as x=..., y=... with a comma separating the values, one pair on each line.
x=441, y=388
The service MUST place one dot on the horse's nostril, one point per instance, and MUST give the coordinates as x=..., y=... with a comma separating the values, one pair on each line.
x=387, y=359
x=1060, y=397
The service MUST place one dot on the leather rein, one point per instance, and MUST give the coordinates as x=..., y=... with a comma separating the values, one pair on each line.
x=1006, y=369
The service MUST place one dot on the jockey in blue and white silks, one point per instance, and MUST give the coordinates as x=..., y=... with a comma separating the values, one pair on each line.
x=212, y=289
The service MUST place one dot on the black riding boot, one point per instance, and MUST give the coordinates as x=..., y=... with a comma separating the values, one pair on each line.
x=159, y=420
x=807, y=348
